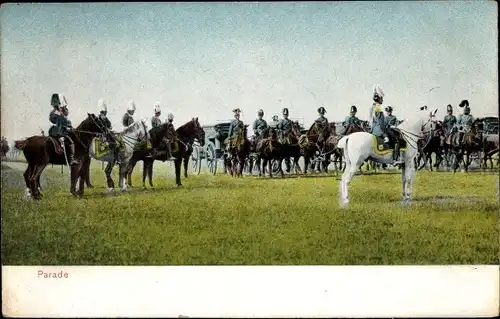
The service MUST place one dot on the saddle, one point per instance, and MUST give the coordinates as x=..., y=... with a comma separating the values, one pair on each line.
x=381, y=148
x=58, y=147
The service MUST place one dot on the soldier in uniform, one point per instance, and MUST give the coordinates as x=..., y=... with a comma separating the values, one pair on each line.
x=170, y=121
x=322, y=120
x=112, y=142
x=127, y=117
x=448, y=123
x=464, y=121
x=155, y=120
x=377, y=114
x=352, y=119
x=285, y=127
x=62, y=125
x=390, y=123
x=259, y=125
x=233, y=127
x=275, y=121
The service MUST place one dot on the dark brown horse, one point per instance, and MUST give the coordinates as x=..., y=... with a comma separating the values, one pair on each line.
x=331, y=150
x=39, y=151
x=463, y=144
x=182, y=145
x=238, y=152
x=313, y=142
x=490, y=148
x=268, y=149
x=431, y=143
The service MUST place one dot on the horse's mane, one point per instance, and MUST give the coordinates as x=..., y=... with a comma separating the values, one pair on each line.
x=181, y=130
x=133, y=127
x=158, y=130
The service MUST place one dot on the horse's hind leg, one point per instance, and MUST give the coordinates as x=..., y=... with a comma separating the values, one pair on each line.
x=33, y=180
x=109, y=180
x=186, y=162
x=150, y=173
x=27, y=174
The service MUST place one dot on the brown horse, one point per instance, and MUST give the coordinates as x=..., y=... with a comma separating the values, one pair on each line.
x=330, y=149
x=39, y=151
x=463, y=144
x=269, y=149
x=238, y=152
x=490, y=148
x=183, y=142
x=313, y=142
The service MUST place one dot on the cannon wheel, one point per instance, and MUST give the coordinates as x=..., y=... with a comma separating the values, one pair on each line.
x=196, y=159
x=211, y=157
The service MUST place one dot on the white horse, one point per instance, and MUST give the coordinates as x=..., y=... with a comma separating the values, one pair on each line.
x=129, y=137
x=358, y=147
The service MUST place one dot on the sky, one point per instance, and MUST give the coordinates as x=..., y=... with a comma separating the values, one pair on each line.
x=204, y=59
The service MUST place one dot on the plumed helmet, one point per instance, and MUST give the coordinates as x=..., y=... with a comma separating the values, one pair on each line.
x=260, y=112
x=236, y=111
x=377, y=91
x=63, y=101
x=464, y=103
x=131, y=105
x=321, y=110
x=388, y=109
x=170, y=116
x=449, y=108
x=285, y=111
x=102, y=106
x=157, y=107
x=354, y=109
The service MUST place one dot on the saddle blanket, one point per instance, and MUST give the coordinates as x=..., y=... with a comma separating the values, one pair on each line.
x=102, y=148
x=381, y=148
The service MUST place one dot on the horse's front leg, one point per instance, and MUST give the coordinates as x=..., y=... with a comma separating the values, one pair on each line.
x=186, y=162
x=109, y=179
x=81, y=170
x=270, y=167
x=177, y=164
x=122, y=173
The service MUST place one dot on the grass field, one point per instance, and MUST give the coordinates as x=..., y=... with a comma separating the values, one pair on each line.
x=220, y=220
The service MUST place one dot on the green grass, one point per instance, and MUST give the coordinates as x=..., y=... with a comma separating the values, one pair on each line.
x=220, y=220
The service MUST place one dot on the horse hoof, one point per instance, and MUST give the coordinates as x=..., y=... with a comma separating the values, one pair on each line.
x=179, y=185
x=90, y=186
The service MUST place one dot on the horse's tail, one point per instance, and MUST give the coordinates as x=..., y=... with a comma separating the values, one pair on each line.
x=20, y=144
x=342, y=145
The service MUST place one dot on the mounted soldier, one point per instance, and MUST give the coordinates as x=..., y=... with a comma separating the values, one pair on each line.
x=352, y=118
x=448, y=123
x=464, y=121
x=110, y=137
x=155, y=120
x=234, y=126
x=390, y=124
x=61, y=125
x=377, y=114
x=275, y=121
x=259, y=125
x=285, y=128
x=322, y=120
x=127, y=117
x=170, y=121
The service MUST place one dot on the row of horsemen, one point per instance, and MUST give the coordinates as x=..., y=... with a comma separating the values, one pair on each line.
x=382, y=125
x=61, y=126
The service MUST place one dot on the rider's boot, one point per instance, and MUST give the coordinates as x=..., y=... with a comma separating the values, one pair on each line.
x=72, y=160
x=169, y=152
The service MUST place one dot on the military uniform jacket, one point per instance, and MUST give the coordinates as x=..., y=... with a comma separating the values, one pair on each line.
x=378, y=125
x=127, y=120
x=285, y=125
x=155, y=121
x=390, y=120
x=233, y=127
x=323, y=121
x=449, y=122
x=105, y=121
x=259, y=125
x=465, y=120
x=61, y=124
x=350, y=120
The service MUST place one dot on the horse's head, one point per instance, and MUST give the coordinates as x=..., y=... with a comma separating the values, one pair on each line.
x=421, y=122
x=192, y=130
x=296, y=128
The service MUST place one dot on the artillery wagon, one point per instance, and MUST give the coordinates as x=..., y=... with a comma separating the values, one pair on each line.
x=214, y=149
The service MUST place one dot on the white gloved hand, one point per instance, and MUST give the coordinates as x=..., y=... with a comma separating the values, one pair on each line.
x=386, y=140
